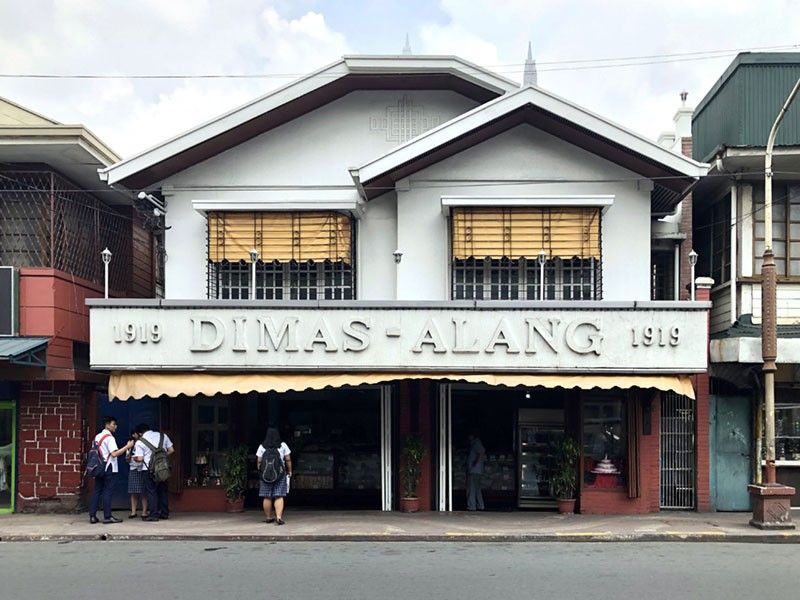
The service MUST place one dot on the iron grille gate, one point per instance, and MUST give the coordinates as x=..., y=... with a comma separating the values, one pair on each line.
x=677, y=452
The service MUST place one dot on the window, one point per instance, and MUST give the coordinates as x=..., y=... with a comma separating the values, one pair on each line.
x=721, y=241
x=605, y=450
x=785, y=229
x=496, y=253
x=662, y=281
x=787, y=424
x=302, y=256
x=210, y=425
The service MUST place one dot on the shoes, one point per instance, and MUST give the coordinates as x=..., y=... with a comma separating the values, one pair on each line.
x=111, y=520
x=270, y=521
x=164, y=517
x=280, y=522
x=93, y=520
x=150, y=519
x=133, y=516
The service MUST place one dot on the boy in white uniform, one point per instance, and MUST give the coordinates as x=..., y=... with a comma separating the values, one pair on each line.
x=157, y=493
x=104, y=485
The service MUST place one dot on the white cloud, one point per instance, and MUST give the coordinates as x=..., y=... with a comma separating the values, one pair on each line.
x=154, y=37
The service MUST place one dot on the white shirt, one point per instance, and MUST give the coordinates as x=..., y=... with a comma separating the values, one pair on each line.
x=283, y=450
x=140, y=449
x=108, y=446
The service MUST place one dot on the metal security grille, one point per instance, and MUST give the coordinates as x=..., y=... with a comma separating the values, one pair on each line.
x=507, y=279
x=292, y=280
x=677, y=452
x=47, y=221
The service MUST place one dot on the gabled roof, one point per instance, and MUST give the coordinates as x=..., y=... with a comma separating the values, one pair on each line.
x=302, y=96
x=550, y=113
x=12, y=113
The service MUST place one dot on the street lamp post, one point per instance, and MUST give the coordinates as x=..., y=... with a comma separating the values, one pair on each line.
x=253, y=261
x=106, y=254
x=692, y=265
x=542, y=261
x=771, y=502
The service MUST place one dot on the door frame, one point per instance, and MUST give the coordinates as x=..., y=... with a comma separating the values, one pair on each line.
x=12, y=406
x=386, y=447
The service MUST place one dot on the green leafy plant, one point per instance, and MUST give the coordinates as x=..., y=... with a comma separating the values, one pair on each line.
x=413, y=453
x=565, y=481
x=234, y=473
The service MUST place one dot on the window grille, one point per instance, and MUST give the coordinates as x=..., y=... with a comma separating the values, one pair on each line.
x=47, y=221
x=293, y=280
x=507, y=279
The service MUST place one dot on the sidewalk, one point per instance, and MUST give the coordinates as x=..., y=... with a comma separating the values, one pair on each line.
x=306, y=525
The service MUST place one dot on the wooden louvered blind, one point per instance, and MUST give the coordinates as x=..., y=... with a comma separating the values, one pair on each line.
x=281, y=236
x=523, y=232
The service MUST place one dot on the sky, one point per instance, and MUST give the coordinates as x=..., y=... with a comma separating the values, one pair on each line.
x=286, y=39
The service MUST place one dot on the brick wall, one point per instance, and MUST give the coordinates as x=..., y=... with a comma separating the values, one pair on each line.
x=686, y=227
x=616, y=501
x=51, y=445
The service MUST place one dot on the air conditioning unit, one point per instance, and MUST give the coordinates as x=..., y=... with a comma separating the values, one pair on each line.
x=9, y=305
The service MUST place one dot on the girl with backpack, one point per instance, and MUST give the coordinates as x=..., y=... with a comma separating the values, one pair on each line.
x=275, y=469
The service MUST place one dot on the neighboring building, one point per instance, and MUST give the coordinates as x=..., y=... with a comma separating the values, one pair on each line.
x=53, y=226
x=396, y=209
x=729, y=130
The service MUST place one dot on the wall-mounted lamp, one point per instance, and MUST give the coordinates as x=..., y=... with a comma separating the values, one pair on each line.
x=106, y=254
x=253, y=261
x=692, y=264
x=542, y=261
x=398, y=256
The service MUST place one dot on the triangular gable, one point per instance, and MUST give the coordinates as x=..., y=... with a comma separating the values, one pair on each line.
x=672, y=172
x=300, y=97
x=12, y=114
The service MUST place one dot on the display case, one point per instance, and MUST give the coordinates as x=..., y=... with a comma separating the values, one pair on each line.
x=538, y=441
x=787, y=434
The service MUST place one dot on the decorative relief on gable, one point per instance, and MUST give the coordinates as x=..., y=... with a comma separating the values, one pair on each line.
x=404, y=120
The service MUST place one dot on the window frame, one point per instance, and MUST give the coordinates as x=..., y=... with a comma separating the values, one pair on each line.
x=781, y=192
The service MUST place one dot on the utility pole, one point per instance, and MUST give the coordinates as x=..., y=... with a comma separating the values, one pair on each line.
x=771, y=501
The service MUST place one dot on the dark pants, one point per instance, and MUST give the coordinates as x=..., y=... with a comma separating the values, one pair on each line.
x=103, y=488
x=157, y=497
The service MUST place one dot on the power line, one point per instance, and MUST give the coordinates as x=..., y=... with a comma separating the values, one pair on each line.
x=503, y=68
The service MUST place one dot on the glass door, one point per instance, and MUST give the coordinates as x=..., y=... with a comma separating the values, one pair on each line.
x=8, y=456
x=539, y=432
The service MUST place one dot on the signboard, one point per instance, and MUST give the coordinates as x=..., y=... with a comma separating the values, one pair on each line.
x=398, y=338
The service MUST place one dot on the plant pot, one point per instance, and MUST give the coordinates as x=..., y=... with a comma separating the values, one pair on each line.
x=234, y=506
x=566, y=506
x=409, y=504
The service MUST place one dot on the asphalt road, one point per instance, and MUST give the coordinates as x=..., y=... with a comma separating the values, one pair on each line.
x=307, y=570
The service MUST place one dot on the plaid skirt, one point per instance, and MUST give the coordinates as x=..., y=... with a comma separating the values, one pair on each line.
x=136, y=482
x=279, y=489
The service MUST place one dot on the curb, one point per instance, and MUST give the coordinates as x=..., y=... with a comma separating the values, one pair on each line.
x=587, y=537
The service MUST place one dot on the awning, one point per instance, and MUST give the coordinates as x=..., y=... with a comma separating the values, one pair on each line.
x=25, y=351
x=125, y=385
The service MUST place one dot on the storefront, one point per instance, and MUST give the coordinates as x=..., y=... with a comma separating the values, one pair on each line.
x=221, y=384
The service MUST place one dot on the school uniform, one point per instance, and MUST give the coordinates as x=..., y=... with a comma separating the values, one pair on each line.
x=157, y=493
x=104, y=485
x=280, y=488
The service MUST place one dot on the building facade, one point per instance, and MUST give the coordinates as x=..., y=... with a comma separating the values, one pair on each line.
x=53, y=226
x=396, y=246
x=729, y=130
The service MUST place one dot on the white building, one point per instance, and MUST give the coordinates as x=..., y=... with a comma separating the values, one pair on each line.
x=402, y=211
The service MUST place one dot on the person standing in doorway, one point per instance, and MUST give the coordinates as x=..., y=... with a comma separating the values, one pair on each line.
x=275, y=469
x=475, y=460
x=135, y=481
x=157, y=492
x=104, y=485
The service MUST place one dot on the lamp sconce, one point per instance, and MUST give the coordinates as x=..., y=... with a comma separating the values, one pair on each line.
x=253, y=255
x=398, y=256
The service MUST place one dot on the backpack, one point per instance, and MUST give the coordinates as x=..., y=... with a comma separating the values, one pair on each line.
x=159, y=460
x=96, y=465
x=272, y=468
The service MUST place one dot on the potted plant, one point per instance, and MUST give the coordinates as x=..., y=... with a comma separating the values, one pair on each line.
x=234, y=478
x=410, y=471
x=565, y=480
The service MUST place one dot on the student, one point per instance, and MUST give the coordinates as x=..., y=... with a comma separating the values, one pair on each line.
x=475, y=460
x=157, y=493
x=135, y=481
x=104, y=485
x=277, y=490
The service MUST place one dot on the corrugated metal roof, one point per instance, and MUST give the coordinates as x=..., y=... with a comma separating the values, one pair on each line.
x=742, y=105
x=22, y=350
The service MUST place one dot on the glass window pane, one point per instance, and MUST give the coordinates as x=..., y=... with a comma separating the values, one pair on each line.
x=222, y=415
x=795, y=267
x=605, y=447
x=779, y=248
x=205, y=414
x=794, y=211
x=779, y=210
x=760, y=230
x=780, y=266
x=795, y=231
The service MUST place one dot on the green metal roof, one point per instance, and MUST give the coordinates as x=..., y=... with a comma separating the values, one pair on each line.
x=740, y=108
x=26, y=351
